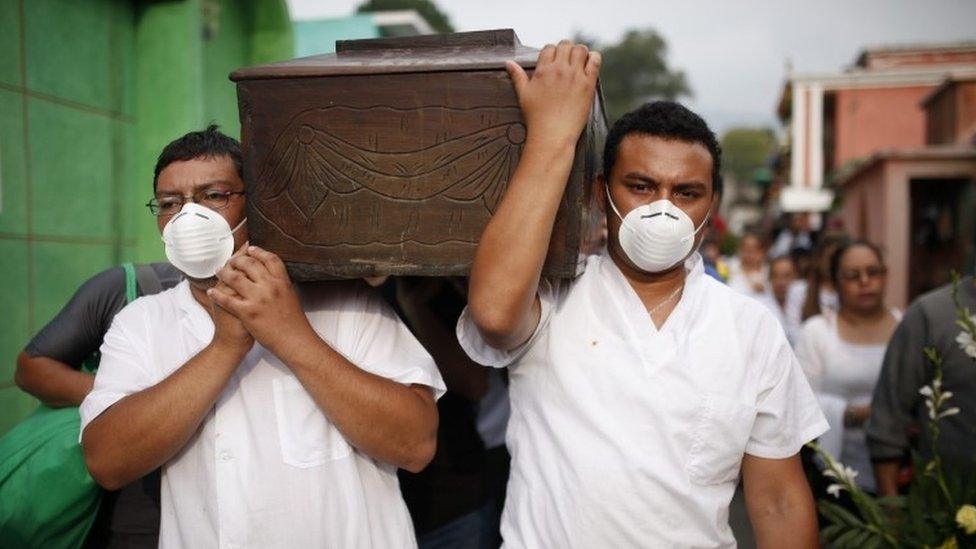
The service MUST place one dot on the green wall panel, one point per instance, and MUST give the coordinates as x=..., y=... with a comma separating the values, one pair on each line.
x=59, y=268
x=13, y=303
x=71, y=171
x=225, y=49
x=13, y=167
x=131, y=192
x=68, y=49
x=110, y=82
x=122, y=70
x=10, y=42
x=169, y=102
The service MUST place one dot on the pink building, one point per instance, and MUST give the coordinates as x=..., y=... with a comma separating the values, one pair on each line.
x=894, y=136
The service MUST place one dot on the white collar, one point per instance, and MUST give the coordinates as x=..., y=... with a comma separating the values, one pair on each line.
x=634, y=309
x=200, y=323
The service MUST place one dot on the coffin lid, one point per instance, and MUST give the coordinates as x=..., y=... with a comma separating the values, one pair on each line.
x=461, y=51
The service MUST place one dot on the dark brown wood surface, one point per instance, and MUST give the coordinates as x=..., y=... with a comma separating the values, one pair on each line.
x=386, y=172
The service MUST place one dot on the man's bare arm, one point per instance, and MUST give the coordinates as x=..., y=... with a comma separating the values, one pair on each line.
x=51, y=381
x=555, y=102
x=384, y=419
x=146, y=429
x=779, y=501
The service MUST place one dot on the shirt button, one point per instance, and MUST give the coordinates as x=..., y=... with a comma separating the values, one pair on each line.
x=226, y=456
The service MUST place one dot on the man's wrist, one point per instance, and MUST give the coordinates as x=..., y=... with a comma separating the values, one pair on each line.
x=550, y=147
x=232, y=350
x=293, y=346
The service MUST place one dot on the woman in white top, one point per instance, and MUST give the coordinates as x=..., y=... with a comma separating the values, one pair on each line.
x=748, y=272
x=841, y=352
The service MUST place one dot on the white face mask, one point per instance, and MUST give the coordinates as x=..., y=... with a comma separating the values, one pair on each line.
x=656, y=236
x=199, y=240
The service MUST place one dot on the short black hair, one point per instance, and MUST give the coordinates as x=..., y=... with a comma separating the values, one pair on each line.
x=668, y=120
x=208, y=143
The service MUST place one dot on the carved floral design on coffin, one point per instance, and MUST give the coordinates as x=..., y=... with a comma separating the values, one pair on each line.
x=342, y=176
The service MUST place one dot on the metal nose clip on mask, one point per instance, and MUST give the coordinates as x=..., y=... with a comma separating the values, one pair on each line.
x=199, y=241
x=656, y=236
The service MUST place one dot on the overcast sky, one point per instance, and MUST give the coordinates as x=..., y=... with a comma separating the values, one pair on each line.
x=734, y=53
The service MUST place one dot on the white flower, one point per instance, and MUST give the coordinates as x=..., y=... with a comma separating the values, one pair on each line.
x=835, y=489
x=949, y=412
x=850, y=474
x=967, y=343
x=841, y=472
x=926, y=391
x=931, y=406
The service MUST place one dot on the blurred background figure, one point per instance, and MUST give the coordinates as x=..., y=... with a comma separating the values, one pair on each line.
x=841, y=352
x=456, y=502
x=782, y=277
x=715, y=265
x=898, y=411
x=57, y=367
x=823, y=296
x=748, y=272
x=795, y=237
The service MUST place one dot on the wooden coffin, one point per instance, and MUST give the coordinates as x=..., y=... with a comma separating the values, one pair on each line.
x=390, y=156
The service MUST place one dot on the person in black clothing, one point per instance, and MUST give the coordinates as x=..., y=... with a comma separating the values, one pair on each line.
x=456, y=501
x=50, y=368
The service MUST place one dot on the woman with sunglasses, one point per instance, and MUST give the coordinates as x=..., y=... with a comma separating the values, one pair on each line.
x=841, y=352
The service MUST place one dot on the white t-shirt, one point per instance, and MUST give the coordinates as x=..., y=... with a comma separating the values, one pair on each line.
x=842, y=374
x=267, y=469
x=788, y=317
x=744, y=282
x=623, y=435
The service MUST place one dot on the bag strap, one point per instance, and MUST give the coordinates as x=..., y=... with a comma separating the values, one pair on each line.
x=148, y=279
x=130, y=282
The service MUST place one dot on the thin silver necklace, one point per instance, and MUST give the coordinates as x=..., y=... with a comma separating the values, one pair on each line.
x=652, y=310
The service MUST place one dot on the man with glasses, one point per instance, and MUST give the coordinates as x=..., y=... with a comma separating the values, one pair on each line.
x=278, y=414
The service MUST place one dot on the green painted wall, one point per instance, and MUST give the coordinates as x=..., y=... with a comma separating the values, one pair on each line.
x=90, y=91
x=317, y=36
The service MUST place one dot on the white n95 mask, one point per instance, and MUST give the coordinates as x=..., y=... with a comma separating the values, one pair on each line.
x=199, y=240
x=656, y=236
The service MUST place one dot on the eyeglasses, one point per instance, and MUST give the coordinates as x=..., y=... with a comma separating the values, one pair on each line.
x=853, y=275
x=171, y=204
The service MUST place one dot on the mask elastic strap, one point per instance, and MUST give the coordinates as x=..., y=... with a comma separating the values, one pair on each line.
x=239, y=225
x=703, y=223
x=612, y=205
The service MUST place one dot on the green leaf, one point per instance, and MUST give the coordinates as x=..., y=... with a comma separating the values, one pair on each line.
x=895, y=502
x=861, y=538
x=847, y=539
x=838, y=515
x=874, y=542
x=832, y=531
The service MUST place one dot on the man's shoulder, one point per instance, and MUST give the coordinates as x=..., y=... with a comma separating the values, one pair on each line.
x=937, y=302
x=151, y=309
x=719, y=294
x=168, y=275
x=111, y=281
x=749, y=318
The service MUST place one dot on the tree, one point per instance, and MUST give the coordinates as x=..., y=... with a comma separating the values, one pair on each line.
x=635, y=71
x=427, y=9
x=745, y=150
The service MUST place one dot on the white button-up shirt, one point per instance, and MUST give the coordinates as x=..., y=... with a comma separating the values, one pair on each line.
x=267, y=469
x=623, y=435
